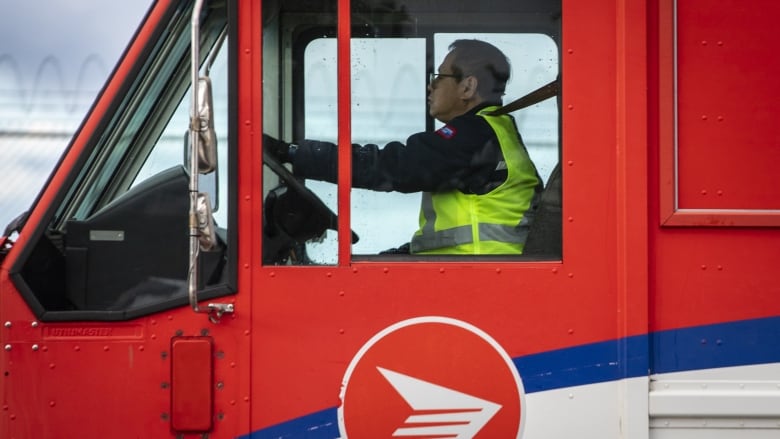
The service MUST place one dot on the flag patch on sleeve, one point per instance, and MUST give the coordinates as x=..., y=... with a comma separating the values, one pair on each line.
x=446, y=132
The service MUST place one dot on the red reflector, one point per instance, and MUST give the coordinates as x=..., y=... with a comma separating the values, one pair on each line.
x=192, y=371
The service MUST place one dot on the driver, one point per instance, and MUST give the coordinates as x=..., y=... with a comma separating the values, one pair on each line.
x=479, y=186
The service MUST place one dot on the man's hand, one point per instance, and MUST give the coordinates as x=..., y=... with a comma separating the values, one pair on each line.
x=277, y=148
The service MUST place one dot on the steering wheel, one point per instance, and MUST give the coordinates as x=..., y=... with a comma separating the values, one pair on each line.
x=304, y=192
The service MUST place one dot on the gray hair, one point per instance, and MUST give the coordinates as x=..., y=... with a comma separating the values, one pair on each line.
x=484, y=61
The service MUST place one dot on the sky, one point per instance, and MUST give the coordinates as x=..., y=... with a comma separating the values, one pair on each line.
x=55, y=56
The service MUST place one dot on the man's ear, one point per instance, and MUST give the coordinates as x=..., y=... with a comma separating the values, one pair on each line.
x=469, y=87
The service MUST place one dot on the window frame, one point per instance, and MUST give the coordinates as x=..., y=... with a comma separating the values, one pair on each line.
x=91, y=161
x=299, y=39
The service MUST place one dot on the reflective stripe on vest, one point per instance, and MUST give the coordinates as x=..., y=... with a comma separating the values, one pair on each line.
x=494, y=223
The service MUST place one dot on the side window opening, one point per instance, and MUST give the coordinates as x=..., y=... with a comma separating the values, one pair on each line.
x=388, y=89
x=389, y=103
x=392, y=55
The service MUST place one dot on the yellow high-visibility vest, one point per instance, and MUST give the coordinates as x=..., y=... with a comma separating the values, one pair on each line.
x=497, y=222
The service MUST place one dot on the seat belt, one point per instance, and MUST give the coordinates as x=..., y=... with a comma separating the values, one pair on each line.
x=536, y=96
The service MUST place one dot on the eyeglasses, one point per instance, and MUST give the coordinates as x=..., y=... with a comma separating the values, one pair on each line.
x=433, y=78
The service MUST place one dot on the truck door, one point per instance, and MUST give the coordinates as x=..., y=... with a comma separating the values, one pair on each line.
x=351, y=339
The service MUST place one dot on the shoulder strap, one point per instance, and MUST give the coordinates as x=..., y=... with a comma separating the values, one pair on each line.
x=536, y=96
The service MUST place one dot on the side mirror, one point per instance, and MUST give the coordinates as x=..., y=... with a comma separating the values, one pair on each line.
x=207, y=136
x=207, y=235
x=204, y=150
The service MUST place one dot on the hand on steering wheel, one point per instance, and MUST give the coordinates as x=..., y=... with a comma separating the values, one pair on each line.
x=276, y=165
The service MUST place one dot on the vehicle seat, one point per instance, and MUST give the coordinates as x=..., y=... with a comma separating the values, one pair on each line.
x=545, y=235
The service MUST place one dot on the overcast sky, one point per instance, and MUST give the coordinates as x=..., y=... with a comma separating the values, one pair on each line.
x=70, y=30
x=54, y=57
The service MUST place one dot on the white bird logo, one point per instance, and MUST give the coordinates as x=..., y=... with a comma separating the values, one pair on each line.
x=446, y=413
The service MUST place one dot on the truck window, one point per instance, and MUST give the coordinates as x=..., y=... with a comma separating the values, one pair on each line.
x=388, y=100
x=389, y=103
x=393, y=49
x=116, y=246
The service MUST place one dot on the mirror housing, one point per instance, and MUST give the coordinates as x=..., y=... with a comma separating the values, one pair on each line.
x=207, y=235
x=207, y=136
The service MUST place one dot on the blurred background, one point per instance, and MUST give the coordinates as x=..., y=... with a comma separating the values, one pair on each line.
x=54, y=58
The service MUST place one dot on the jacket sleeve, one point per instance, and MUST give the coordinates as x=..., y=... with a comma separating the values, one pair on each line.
x=426, y=162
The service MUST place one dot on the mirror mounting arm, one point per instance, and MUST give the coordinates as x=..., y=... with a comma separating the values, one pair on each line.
x=202, y=144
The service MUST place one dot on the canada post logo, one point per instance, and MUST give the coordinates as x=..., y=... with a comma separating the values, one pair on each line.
x=431, y=377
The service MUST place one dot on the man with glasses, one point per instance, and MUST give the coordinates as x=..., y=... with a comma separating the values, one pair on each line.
x=480, y=188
